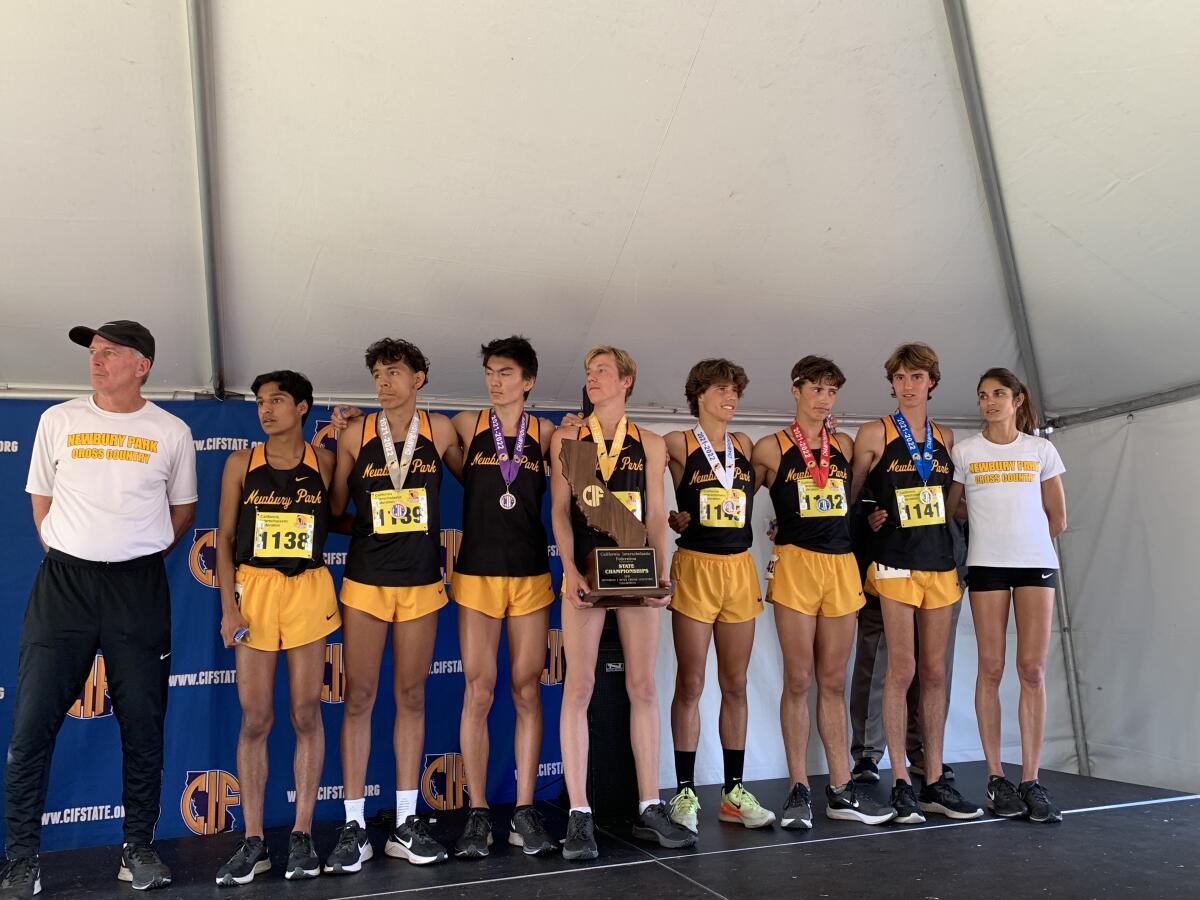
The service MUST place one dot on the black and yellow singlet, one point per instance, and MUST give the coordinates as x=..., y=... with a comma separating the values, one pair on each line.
x=284, y=515
x=715, y=527
x=628, y=483
x=808, y=516
x=396, y=537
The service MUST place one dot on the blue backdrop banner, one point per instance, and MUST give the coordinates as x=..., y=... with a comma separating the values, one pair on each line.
x=200, y=793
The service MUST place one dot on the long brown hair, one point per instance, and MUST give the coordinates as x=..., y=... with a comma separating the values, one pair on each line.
x=1026, y=414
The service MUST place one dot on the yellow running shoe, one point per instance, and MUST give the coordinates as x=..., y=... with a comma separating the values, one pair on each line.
x=742, y=807
x=683, y=808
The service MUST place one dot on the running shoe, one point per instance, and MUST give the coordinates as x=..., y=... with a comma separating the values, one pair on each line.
x=904, y=802
x=742, y=807
x=580, y=842
x=797, y=811
x=353, y=848
x=655, y=825
x=850, y=804
x=683, y=808
x=1037, y=798
x=476, y=836
x=21, y=878
x=865, y=771
x=527, y=830
x=941, y=798
x=249, y=859
x=302, y=861
x=412, y=841
x=141, y=866
x=1003, y=799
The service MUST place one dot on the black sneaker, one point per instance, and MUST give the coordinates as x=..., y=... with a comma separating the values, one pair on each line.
x=918, y=769
x=904, y=802
x=411, y=840
x=1037, y=798
x=655, y=825
x=21, y=878
x=302, y=861
x=141, y=866
x=249, y=859
x=797, y=810
x=865, y=771
x=527, y=830
x=1003, y=799
x=939, y=797
x=353, y=848
x=851, y=805
x=580, y=842
x=476, y=836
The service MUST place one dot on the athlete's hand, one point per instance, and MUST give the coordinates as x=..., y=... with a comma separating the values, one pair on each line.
x=574, y=587
x=572, y=420
x=877, y=518
x=831, y=423
x=231, y=623
x=660, y=602
x=679, y=521
x=343, y=415
x=772, y=529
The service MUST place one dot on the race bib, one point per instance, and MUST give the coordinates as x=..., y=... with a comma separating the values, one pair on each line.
x=720, y=508
x=632, y=501
x=399, y=512
x=921, y=506
x=821, y=502
x=281, y=534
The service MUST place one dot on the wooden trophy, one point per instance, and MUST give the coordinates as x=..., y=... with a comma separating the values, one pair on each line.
x=624, y=575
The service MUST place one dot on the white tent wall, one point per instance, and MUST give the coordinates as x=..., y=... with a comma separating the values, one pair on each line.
x=1129, y=563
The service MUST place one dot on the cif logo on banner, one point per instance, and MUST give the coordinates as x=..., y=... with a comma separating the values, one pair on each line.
x=206, y=805
x=451, y=538
x=333, y=689
x=325, y=437
x=444, y=781
x=202, y=559
x=93, y=701
x=553, y=673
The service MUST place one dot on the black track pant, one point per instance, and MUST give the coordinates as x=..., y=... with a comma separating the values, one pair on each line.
x=76, y=607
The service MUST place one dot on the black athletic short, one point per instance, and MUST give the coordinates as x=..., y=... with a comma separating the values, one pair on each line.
x=997, y=578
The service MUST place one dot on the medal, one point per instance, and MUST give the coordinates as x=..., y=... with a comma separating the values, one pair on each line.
x=730, y=507
x=725, y=474
x=399, y=510
x=818, y=473
x=606, y=456
x=824, y=504
x=926, y=496
x=922, y=462
x=509, y=467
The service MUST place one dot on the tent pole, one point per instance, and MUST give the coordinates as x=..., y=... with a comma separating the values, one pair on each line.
x=1177, y=395
x=199, y=45
x=968, y=73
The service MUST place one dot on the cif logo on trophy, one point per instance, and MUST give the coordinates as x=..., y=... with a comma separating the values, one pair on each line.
x=206, y=805
x=202, y=559
x=325, y=436
x=444, y=781
x=333, y=689
x=553, y=673
x=93, y=701
x=451, y=538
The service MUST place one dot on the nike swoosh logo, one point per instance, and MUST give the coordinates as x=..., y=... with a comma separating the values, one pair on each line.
x=331, y=615
x=1047, y=575
x=164, y=656
x=298, y=480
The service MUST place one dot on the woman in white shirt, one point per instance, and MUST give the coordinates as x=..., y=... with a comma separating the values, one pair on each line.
x=1016, y=507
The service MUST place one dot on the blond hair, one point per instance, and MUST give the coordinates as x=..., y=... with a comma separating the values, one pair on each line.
x=626, y=367
x=915, y=357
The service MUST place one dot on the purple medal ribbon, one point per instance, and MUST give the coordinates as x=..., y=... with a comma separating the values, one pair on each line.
x=509, y=468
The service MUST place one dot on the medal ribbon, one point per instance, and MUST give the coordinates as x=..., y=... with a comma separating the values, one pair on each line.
x=818, y=473
x=725, y=475
x=922, y=462
x=607, y=456
x=398, y=468
x=509, y=468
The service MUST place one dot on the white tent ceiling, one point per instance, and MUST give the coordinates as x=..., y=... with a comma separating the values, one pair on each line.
x=758, y=180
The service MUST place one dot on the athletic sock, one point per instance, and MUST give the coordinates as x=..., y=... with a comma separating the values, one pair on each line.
x=646, y=804
x=582, y=809
x=406, y=805
x=685, y=768
x=355, y=810
x=735, y=760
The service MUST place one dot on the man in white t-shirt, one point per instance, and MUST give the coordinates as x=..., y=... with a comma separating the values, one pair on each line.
x=113, y=487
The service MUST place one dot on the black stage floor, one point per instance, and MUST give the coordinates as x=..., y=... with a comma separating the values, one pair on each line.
x=1117, y=840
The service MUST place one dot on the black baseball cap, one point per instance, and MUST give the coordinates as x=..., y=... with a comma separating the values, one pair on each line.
x=122, y=331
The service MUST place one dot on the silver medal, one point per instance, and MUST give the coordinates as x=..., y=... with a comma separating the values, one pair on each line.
x=730, y=507
x=507, y=500
x=927, y=497
x=399, y=510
